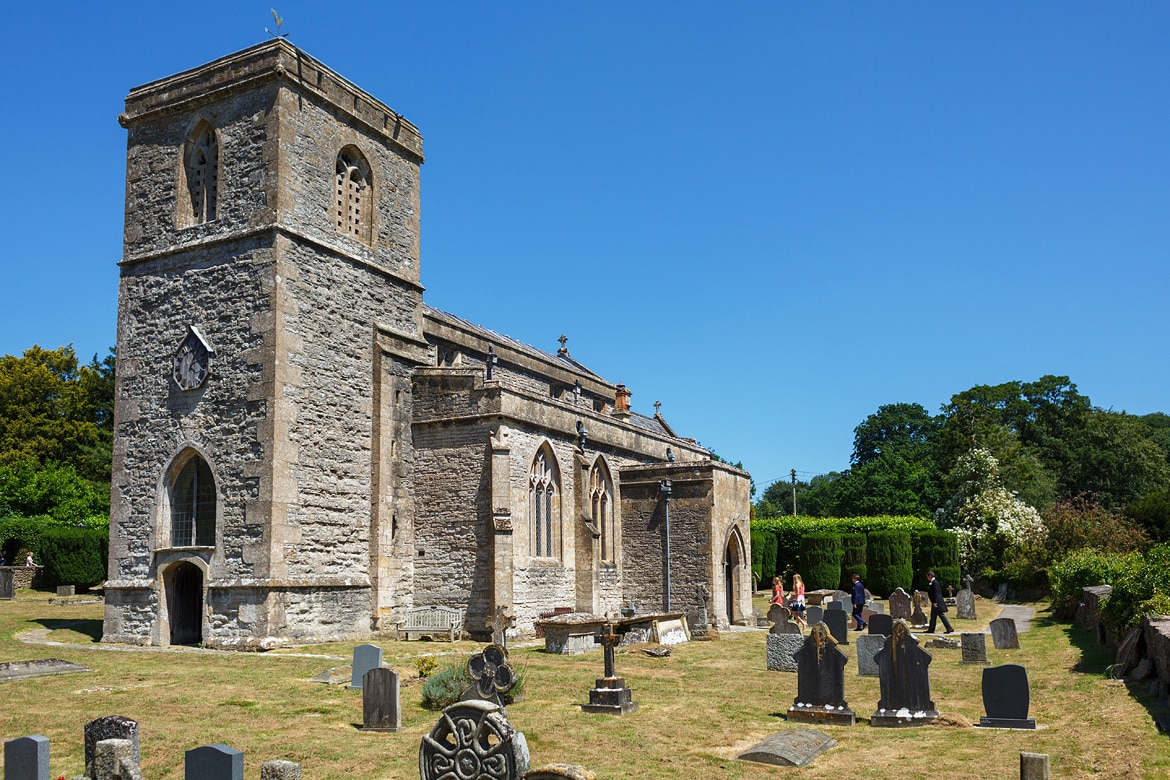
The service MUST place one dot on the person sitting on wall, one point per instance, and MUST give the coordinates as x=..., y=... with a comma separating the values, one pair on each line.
x=29, y=561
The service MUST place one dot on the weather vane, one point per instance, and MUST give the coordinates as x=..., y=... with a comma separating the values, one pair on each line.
x=279, y=24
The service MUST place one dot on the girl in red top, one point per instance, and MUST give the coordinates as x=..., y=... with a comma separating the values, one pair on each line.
x=777, y=591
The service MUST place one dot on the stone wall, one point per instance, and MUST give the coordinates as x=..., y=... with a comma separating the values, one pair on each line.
x=1156, y=633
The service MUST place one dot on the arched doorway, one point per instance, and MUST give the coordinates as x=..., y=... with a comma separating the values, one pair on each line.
x=185, y=604
x=732, y=572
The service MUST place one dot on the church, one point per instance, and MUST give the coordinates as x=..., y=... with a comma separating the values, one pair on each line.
x=304, y=449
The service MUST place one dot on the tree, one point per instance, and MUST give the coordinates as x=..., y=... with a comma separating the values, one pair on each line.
x=1159, y=425
x=893, y=429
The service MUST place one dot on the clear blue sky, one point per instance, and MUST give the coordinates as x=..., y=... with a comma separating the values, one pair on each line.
x=771, y=216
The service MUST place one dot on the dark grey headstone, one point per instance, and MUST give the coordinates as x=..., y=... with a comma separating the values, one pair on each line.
x=781, y=651
x=974, y=646
x=836, y=605
x=791, y=747
x=881, y=624
x=280, y=770
x=965, y=605
x=842, y=597
x=814, y=615
x=1003, y=634
x=868, y=646
x=900, y=605
x=820, y=681
x=27, y=758
x=214, y=762
x=7, y=584
x=381, y=700
x=838, y=622
x=365, y=658
x=904, y=676
x=109, y=727
x=1006, y=698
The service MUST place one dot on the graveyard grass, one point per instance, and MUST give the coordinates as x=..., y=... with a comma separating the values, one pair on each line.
x=699, y=708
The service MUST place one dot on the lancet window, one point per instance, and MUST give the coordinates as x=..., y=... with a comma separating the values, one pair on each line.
x=601, y=508
x=203, y=173
x=544, y=505
x=193, y=505
x=353, y=196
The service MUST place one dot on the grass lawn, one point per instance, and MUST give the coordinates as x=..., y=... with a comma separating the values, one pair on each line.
x=699, y=708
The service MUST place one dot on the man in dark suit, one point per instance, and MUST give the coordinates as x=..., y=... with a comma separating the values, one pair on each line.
x=858, y=601
x=938, y=607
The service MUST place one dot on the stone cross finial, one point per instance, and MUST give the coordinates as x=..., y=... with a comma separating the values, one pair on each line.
x=491, y=674
x=657, y=408
x=563, y=351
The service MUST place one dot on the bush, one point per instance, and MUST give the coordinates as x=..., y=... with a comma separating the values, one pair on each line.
x=74, y=556
x=888, y=556
x=757, y=556
x=820, y=560
x=937, y=550
x=442, y=689
x=768, y=561
x=853, y=560
x=1081, y=569
x=1139, y=590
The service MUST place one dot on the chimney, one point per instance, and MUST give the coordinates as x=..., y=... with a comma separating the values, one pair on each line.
x=621, y=402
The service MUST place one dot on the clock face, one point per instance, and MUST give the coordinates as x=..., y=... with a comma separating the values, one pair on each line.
x=192, y=363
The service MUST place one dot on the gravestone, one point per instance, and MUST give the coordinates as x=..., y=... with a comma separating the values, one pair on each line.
x=560, y=772
x=113, y=759
x=610, y=695
x=7, y=584
x=27, y=758
x=42, y=667
x=109, y=727
x=840, y=596
x=814, y=615
x=791, y=747
x=820, y=682
x=904, y=676
x=868, y=646
x=1034, y=766
x=473, y=739
x=965, y=605
x=280, y=770
x=869, y=610
x=918, y=618
x=1006, y=697
x=781, y=651
x=781, y=619
x=882, y=625
x=491, y=675
x=837, y=606
x=213, y=762
x=365, y=658
x=900, y=605
x=974, y=645
x=381, y=700
x=942, y=643
x=1003, y=634
x=66, y=590
x=838, y=622
x=501, y=621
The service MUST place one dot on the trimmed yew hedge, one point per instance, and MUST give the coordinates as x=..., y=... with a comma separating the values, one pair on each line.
x=890, y=561
x=820, y=560
x=938, y=550
x=853, y=560
x=74, y=556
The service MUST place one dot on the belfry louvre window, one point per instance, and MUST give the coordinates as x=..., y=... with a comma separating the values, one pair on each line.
x=203, y=174
x=544, y=505
x=193, y=506
x=601, y=508
x=353, y=195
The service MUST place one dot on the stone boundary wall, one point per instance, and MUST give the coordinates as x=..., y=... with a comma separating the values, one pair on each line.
x=26, y=576
x=1156, y=633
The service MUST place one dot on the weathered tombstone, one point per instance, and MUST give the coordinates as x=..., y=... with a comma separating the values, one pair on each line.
x=365, y=658
x=280, y=770
x=868, y=646
x=782, y=651
x=7, y=584
x=1006, y=697
x=702, y=622
x=1034, y=766
x=838, y=622
x=974, y=646
x=492, y=677
x=791, y=747
x=814, y=615
x=66, y=590
x=781, y=619
x=965, y=605
x=904, y=675
x=838, y=606
x=473, y=739
x=820, y=682
x=213, y=762
x=1003, y=634
x=900, y=605
x=560, y=772
x=381, y=700
x=869, y=610
x=114, y=759
x=920, y=601
x=610, y=695
x=109, y=727
x=1001, y=592
x=882, y=625
x=27, y=758
x=841, y=597
x=942, y=643
x=501, y=621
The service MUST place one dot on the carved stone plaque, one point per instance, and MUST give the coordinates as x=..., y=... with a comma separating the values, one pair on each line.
x=192, y=363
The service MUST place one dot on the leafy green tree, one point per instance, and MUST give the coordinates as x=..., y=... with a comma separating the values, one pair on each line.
x=894, y=429
x=1159, y=426
x=1152, y=513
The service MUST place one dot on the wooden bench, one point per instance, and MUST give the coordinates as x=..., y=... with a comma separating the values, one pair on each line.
x=431, y=621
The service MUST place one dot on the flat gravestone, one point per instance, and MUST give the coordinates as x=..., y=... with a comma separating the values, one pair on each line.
x=1003, y=634
x=781, y=651
x=791, y=747
x=838, y=622
x=781, y=618
x=381, y=700
x=214, y=762
x=365, y=658
x=24, y=670
x=974, y=646
x=1006, y=698
x=837, y=606
x=27, y=758
x=965, y=605
x=560, y=772
x=7, y=584
x=904, y=676
x=820, y=682
x=942, y=643
x=280, y=770
x=868, y=646
x=814, y=615
x=109, y=727
x=900, y=605
x=882, y=625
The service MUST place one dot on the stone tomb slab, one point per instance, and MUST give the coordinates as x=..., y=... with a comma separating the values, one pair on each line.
x=1003, y=634
x=791, y=747
x=838, y=622
x=882, y=625
x=781, y=651
x=1006, y=698
x=25, y=670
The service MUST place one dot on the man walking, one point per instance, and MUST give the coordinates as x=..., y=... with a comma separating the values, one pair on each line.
x=938, y=607
x=858, y=601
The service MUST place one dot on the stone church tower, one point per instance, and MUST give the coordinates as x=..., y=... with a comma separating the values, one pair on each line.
x=303, y=448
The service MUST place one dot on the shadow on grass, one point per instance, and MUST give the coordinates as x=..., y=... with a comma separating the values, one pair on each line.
x=90, y=628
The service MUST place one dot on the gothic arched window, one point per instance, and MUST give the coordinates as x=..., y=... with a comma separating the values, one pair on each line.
x=354, y=195
x=202, y=162
x=193, y=505
x=601, y=508
x=544, y=505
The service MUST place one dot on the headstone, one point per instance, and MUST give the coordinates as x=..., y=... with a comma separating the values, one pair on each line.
x=381, y=700
x=882, y=625
x=1005, y=698
x=838, y=606
x=974, y=645
x=213, y=762
x=868, y=646
x=109, y=727
x=942, y=643
x=838, y=622
x=7, y=584
x=791, y=747
x=114, y=759
x=560, y=772
x=814, y=615
x=473, y=739
x=781, y=619
x=841, y=597
x=904, y=676
x=918, y=618
x=1034, y=766
x=66, y=590
x=900, y=605
x=42, y=667
x=610, y=695
x=365, y=658
x=869, y=610
x=965, y=605
x=280, y=770
x=781, y=651
x=1003, y=634
x=491, y=675
x=820, y=682
x=27, y=758
x=1001, y=592
x=501, y=621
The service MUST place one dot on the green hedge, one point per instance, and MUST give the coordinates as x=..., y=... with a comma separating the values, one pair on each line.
x=853, y=560
x=890, y=562
x=768, y=560
x=758, y=537
x=74, y=556
x=820, y=560
x=1081, y=569
x=937, y=550
x=1141, y=588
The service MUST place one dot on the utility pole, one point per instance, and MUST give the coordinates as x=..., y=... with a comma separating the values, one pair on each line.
x=794, y=492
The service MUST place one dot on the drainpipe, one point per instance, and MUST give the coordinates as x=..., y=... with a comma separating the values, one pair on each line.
x=664, y=488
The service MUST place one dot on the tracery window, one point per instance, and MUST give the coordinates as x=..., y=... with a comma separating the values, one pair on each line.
x=193, y=505
x=203, y=173
x=544, y=505
x=601, y=508
x=354, y=192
